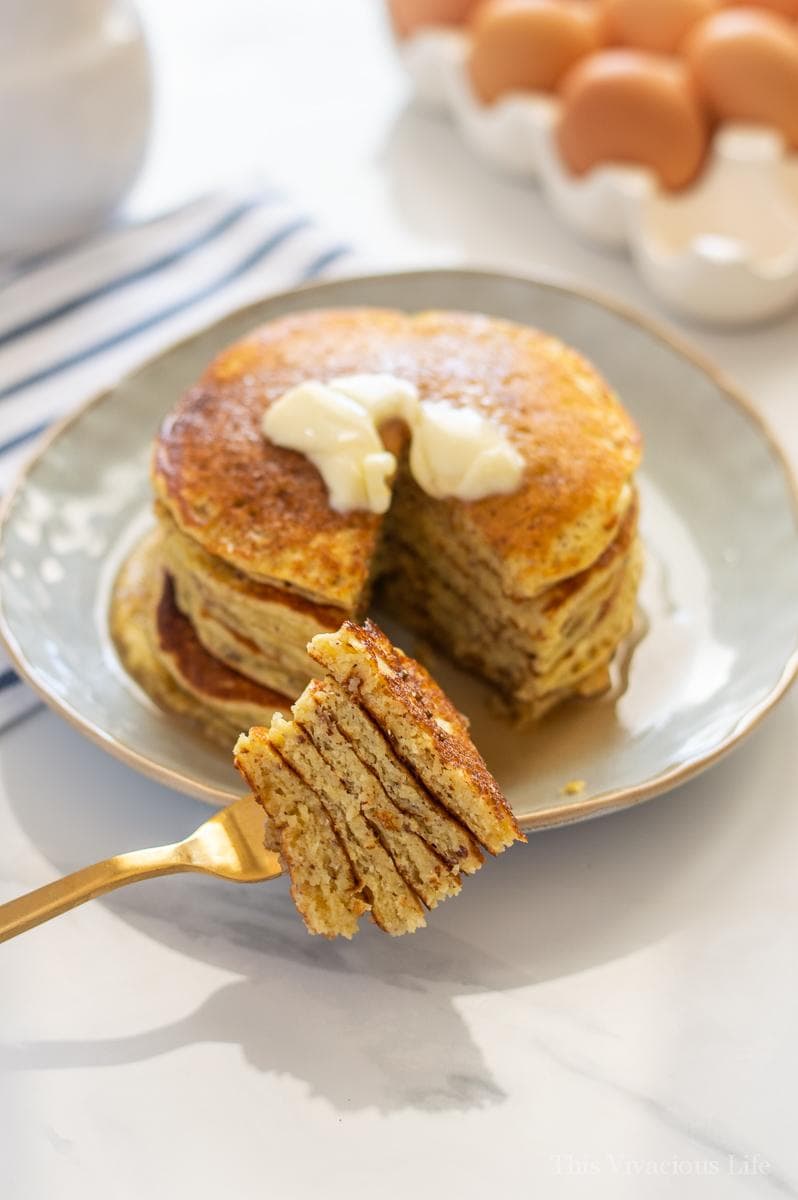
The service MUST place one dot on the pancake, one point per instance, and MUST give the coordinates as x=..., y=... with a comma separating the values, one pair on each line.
x=160, y=650
x=264, y=510
x=242, y=701
x=254, y=628
x=375, y=795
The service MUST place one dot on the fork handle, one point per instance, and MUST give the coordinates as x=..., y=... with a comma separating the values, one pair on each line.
x=58, y=897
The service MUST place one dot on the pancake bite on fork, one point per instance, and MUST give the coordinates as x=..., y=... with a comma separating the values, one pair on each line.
x=375, y=796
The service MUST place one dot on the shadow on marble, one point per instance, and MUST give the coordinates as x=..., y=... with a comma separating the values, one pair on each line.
x=381, y=1047
x=376, y=1021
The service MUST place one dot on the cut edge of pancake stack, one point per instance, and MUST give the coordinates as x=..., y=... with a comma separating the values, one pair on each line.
x=259, y=629
x=375, y=796
x=539, y=618
x=534, y=650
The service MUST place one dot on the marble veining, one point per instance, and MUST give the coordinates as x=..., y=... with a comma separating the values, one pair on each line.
x=603, y=1014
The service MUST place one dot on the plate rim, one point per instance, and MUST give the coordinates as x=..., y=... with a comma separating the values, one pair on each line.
x=554, y=815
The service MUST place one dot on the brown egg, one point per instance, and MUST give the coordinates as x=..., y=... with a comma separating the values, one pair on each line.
x=745, y=66
x=787, y=8
x=627, y=106
x=527, y=45
x=656, y=25
x=409, y=15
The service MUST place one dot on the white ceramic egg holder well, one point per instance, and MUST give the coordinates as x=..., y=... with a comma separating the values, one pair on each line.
x=724, y=250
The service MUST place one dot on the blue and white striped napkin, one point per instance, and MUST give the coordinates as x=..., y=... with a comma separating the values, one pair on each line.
x=73, y=324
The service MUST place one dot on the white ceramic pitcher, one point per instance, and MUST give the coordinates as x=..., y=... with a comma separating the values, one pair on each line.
x=75, y=112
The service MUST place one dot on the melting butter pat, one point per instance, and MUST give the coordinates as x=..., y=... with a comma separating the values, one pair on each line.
x=338, y=433
x=384, y=397
x=458, y=452
x=453, y=451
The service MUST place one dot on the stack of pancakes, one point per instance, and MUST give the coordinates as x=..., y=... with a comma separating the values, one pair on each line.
x=533, y=590
x=375, y=797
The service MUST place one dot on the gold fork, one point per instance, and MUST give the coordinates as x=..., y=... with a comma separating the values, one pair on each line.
x=229, y=845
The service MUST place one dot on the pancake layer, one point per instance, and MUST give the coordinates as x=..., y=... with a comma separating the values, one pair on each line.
x=160, y=650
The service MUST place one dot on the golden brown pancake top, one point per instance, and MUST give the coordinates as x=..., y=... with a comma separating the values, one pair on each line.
x=265, y=510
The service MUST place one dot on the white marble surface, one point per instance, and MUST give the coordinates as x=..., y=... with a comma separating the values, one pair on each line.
x=608, y=1011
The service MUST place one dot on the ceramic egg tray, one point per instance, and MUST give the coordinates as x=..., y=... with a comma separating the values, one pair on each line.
x=724, y=250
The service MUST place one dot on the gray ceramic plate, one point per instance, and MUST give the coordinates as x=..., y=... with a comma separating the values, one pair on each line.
x=717, y=641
